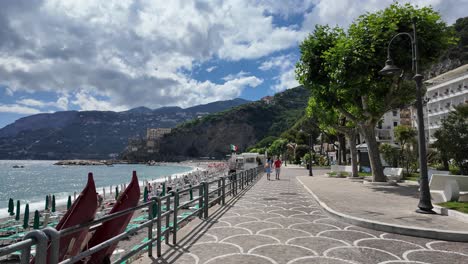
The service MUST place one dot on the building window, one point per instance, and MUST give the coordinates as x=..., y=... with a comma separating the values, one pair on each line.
x=395, y=112
x=395, y=124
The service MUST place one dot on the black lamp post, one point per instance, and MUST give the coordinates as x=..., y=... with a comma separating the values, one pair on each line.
x=425, y=205
x=310, y=152
x=310, y=155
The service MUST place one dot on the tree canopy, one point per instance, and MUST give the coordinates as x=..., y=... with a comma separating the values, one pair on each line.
x=452, y=137
x=341, y=67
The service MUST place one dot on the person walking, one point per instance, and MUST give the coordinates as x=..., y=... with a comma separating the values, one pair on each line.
x=277, y=167
x=268, y=167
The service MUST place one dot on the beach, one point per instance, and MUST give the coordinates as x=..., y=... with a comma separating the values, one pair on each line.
x=198, y=171
x=36, y=179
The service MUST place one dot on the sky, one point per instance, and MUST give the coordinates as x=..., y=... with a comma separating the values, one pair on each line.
x=58, y=55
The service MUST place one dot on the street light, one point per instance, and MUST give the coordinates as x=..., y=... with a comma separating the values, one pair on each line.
x=310, y=151
x=425, y=205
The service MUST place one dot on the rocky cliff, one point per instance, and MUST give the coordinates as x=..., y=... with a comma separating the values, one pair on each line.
x=242, y=126
x=91, y=134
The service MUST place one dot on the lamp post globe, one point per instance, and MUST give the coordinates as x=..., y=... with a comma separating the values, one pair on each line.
x=389, y=69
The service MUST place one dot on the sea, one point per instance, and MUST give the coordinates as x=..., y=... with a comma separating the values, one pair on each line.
x=31, y=183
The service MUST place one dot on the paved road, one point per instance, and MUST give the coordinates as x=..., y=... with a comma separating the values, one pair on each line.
x=278, y=222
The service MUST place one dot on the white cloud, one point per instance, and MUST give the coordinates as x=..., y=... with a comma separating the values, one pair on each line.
x=31, y=102
x=212, y=68
x=18, y=109
x=132, y=52
x=285, y=66
x=286, y=80
x=238, y=75
x=61, y=103
x=88, y=102
x=281, y=62
x=343, y=12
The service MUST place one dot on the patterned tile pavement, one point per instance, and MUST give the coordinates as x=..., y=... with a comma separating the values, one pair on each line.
x=278, y=222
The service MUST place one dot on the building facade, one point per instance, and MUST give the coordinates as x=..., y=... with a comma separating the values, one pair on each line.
x=156, y=133
x=444, y=93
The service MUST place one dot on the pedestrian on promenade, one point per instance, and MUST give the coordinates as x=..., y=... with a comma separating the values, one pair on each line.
x=277, y=167
x=268, y=167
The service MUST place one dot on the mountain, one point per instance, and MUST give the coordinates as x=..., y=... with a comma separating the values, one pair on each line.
x=242, y=126
x=92, y=134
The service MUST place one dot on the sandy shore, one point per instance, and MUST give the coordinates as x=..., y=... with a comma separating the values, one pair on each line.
x=200, y=171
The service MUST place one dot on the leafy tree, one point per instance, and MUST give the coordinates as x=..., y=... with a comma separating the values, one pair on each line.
x=390, y=154
x=452, y=137
x=341, y=68
x=406, y=137
x=301, y=150
x=278, y=147
x=331, y=121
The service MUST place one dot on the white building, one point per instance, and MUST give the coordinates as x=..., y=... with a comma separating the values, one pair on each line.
x=156, y=133
x=444, y=92
x=384, y=129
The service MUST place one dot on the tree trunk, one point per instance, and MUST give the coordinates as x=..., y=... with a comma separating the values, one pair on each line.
x=338, y=156
x=353, y=150
x=342, y=140
x=373, y=150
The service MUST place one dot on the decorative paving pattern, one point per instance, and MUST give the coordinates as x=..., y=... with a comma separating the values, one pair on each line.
x=278, y=222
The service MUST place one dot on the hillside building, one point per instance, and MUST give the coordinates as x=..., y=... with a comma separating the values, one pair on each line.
x=156, y=133
x=267, y=99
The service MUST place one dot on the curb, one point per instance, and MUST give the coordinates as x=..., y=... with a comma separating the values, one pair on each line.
x=438, y=234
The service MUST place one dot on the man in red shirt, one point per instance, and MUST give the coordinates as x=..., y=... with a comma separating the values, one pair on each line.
x=277, y=167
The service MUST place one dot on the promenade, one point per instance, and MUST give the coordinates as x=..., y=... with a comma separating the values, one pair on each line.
x=280, y=222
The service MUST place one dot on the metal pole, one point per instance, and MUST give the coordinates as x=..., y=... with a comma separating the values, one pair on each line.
x=425, y=205
x=205, y=202
x=150, y=228
x=219, y=190
x=200, y=199
x=54, y=238
x=310, y=155
x=158, y=226
x=174, y=218
x=168, y=208
x=223, y=182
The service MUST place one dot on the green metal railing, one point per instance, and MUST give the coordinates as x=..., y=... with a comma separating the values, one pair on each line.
x=160, y=210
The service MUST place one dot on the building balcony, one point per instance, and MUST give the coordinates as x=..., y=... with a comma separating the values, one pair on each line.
x=443, y=96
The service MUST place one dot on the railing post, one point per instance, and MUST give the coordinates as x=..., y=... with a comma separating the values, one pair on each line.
x=244, y=179
x=200, y=199
x=174, y=218
x=168, y=216
x=41, y=247
x=219, y=190
x=223, y=189
x=54, y=238
x=158, y=226
x=150, y=228
x=235, y=183
x=206, y=202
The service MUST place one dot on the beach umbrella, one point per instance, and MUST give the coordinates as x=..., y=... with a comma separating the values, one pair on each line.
x=69, y=202
x=11, y=207
x=145, y=194
x=17, y=217
x=163, y=193
x=36, y=220
x=191, y=192
x=26, y=217
x=177, y=198
x=53, y=203
x=46, y=202
x=116, y=192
